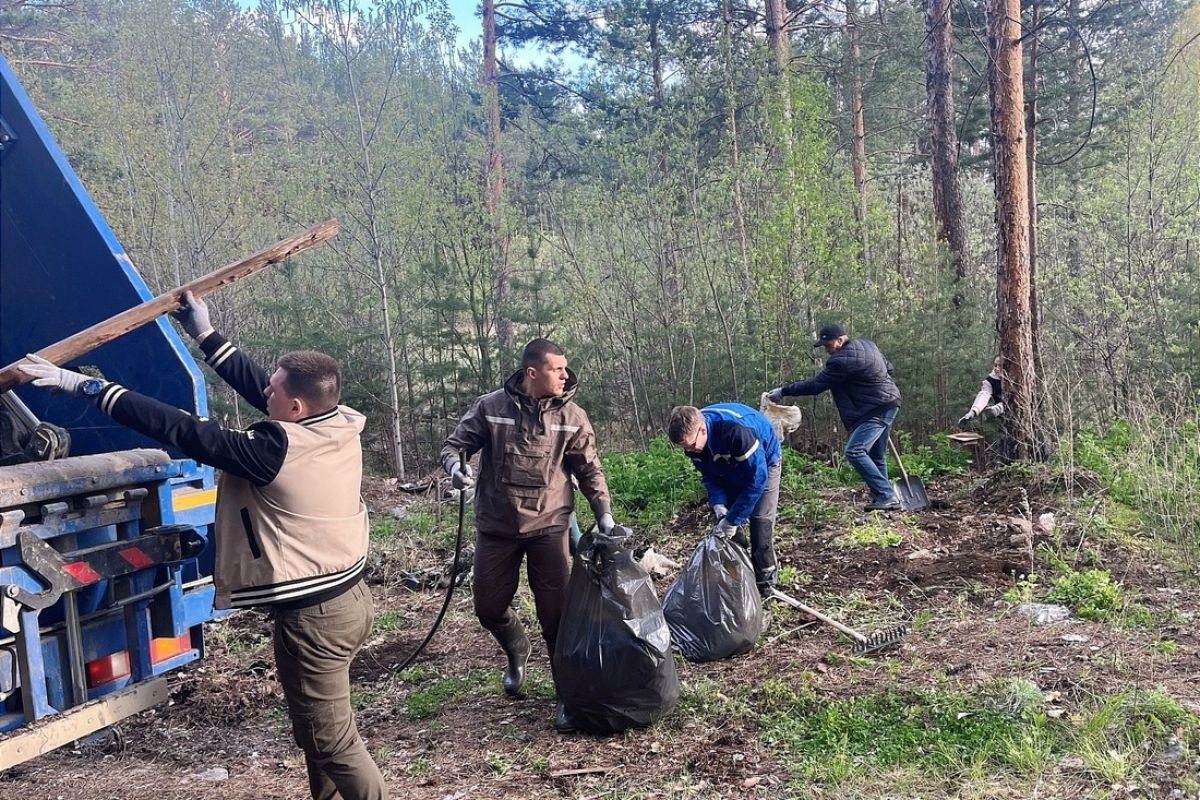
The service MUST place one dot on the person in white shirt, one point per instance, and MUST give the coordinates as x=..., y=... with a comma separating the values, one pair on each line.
x=987, y=401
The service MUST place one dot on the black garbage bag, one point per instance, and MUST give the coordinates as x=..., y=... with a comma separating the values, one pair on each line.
x=713, y=608
x=612, y=662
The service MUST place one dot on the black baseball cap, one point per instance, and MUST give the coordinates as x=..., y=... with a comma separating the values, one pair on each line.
x=828, y=334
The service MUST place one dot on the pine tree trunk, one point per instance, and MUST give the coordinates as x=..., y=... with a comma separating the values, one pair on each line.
x=1013, y=315
x=858, y=125
x=781, y=56
x=943, y=138
x=494, y=191
x=1031, y=161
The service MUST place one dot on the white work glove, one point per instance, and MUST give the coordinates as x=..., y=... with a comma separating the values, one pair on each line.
x=993, y=411
x=719, y=512
x=193, y=316
x=776, y=395
x=966, y=418
x=724, y=528
x=605, y=524
x=46, y=374
x=461, y=476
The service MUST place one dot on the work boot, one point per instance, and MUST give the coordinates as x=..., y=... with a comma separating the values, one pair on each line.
x=564, y=722
x=515, y=643
x=891, y=504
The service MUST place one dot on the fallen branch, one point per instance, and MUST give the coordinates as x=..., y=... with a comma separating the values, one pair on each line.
x=567, y=773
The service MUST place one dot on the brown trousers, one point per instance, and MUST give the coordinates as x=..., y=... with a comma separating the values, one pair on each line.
x=497, y=573
x=313, y=650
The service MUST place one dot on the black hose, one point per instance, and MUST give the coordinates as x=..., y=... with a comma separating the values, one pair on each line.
x=462, y=513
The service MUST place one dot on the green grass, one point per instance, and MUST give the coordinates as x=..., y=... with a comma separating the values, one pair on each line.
x=870, y=534
x=1001, y=731
x=387, y=621
x=384, y=528
x=436, y=691
x=419, y=526
x=940, y=733
x=1121, y=734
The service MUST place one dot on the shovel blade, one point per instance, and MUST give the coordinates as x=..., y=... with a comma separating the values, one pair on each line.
x=911, y=493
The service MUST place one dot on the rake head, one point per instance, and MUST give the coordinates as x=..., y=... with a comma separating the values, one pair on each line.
x=880, y=640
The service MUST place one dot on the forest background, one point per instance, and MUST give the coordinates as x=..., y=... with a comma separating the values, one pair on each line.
x=679, y=193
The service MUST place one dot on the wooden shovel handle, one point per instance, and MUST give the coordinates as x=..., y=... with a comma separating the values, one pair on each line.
x=900, y=463
x=89, y=339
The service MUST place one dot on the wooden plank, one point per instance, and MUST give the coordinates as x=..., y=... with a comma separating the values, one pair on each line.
x=54, y=731
x=71, y=348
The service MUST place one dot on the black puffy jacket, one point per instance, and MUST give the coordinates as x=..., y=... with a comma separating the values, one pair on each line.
x=860, y=380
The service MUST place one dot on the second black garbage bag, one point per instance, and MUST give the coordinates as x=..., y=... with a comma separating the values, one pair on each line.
x=713, y=608
x=612, y=662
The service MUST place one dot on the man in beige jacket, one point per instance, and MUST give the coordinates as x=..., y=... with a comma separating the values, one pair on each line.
x=291, y=529
x=532, y=438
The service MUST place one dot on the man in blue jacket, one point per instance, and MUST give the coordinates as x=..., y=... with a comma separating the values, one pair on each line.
x=867, y=399
x=737, y=454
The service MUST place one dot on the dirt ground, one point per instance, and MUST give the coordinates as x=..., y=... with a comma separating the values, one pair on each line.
x=950, y=570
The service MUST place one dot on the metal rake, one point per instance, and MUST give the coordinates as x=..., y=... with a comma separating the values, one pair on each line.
x=863, y=644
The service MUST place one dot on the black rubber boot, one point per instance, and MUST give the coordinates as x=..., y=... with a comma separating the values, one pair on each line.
x=563, y=721
x=515, y=643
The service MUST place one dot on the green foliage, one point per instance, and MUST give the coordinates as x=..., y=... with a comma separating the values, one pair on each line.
x=650, y=486
x=1105, y=455
x=1091, y=594
x=498, y=763
x=1024, y=590
x=871, y=534
x=929, y=461
x=387, y=621
x=803, y=474
x=1165, y=647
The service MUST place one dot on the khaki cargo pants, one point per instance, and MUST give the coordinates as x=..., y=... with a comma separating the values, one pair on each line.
x=313, y=650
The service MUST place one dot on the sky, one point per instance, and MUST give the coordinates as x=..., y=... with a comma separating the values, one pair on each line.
x=466, y=17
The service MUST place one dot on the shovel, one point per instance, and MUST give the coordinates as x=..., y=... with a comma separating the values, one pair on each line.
x=910, y=491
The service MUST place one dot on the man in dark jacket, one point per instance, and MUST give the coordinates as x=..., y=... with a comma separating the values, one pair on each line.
x=532, y=439
x=867, y=399
x=291, y=529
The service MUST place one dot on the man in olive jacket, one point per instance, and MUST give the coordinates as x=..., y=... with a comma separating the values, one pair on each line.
x=860, y=379
x=532, y=438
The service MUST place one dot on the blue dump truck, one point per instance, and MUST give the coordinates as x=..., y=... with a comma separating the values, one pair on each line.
x=105, y=560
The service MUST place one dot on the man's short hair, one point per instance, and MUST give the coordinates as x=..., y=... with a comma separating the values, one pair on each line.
x=683, y=421
x=536, y=351
x=314, y=377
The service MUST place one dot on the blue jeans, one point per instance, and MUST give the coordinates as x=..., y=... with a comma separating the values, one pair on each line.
x=866, y=449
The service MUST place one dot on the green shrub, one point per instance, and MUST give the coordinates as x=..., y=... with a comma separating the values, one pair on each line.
x=929, y=460
x=1105, y=454
x=1091, y=594
x=648, y=486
